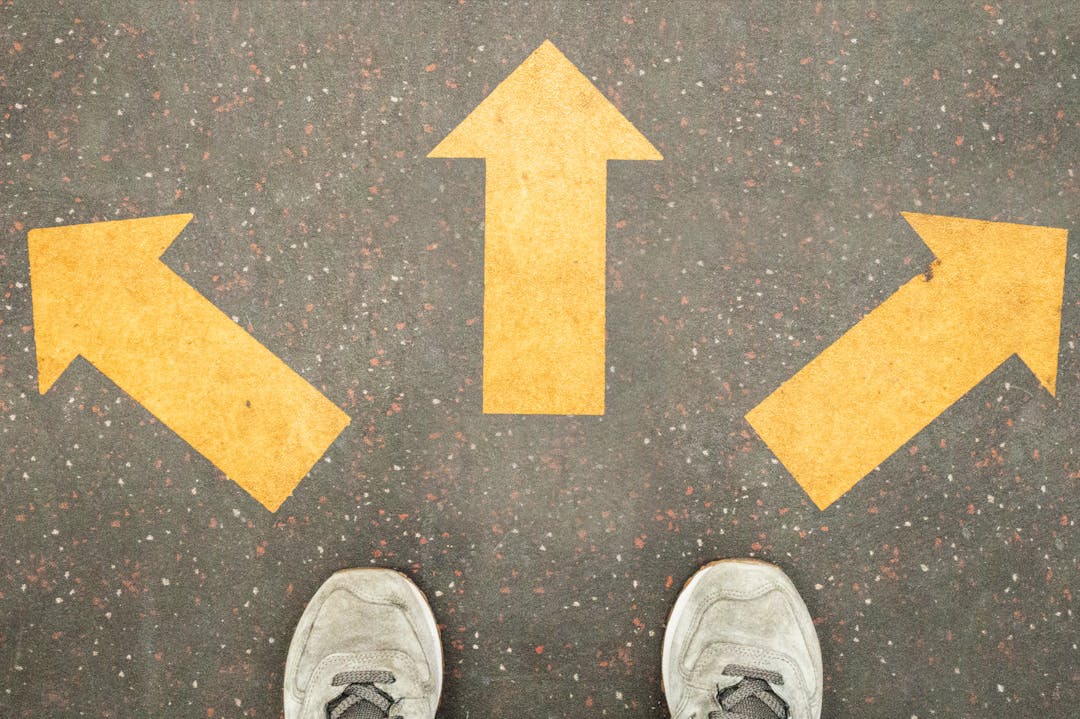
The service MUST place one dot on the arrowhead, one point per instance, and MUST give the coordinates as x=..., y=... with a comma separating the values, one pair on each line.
x=546, y=107
x=75, y=271
x=1009, y=279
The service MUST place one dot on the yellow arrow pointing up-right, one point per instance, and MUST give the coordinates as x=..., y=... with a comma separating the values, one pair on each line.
x=995, y=290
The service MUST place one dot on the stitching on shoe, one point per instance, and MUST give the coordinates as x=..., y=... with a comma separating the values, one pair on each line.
x=402, y=605
x=762, y=590
x=714, y=650
x=323, y=671
x=709, y=599
x=398, y=601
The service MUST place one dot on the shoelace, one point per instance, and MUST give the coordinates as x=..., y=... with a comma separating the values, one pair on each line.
x=751, y=698
x=361, y=698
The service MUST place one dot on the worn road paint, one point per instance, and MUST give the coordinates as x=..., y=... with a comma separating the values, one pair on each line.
x=994, y=290
x=100, y=291
x=547, y=134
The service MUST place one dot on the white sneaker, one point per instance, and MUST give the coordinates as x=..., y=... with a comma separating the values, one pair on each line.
x=366, y=645
x=740, y=643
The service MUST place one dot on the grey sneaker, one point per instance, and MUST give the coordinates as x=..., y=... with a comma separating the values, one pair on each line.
x=740, y=643
x=366, y=647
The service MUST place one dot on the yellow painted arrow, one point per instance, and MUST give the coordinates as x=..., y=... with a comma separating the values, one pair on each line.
x=547, y=134
x=994, y=290
x=100, y=291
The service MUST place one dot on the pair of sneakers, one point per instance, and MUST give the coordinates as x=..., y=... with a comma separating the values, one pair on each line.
x=739, y=644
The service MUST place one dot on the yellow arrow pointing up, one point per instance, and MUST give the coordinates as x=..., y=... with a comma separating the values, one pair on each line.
x=100, y=291
x=994, y=290
x=547, y=134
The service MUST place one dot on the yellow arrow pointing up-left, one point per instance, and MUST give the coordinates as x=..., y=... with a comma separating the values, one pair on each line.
x=100, y=291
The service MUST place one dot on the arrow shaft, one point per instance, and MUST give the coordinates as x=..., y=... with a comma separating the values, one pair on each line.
x=880, y=384
x=544, y=286
x=212, y=383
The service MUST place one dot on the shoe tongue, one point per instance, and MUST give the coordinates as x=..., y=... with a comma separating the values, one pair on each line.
x=750, y=707
x=361, y=699
x=363, y=710
x=754, y=708
x=360, y=709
